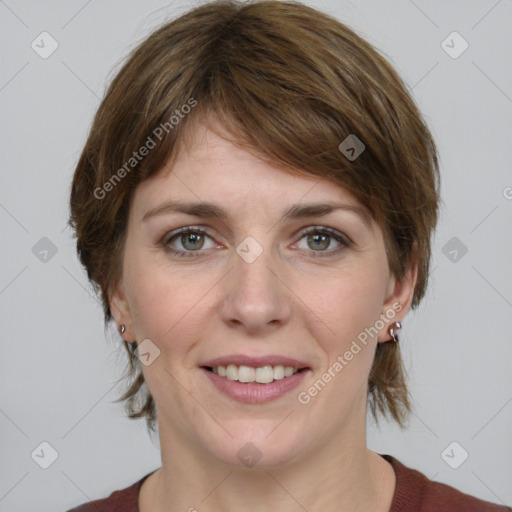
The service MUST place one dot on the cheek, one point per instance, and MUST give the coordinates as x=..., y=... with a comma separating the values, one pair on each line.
x=166, y=304
x=348, y=304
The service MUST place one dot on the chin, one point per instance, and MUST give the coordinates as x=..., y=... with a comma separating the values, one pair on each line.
x=255, y=448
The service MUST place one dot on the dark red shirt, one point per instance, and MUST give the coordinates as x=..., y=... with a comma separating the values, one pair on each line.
x=414, y=492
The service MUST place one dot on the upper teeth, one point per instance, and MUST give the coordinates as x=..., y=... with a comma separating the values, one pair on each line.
x=263, y=374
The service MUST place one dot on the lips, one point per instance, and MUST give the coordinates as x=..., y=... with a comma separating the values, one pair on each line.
x=266, y=387
x=255, y=362
x=252, y=392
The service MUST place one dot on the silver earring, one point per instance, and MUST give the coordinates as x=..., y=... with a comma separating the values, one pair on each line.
x=122, y=329
x=392, y=331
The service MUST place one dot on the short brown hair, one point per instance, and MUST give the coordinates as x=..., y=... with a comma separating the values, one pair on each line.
x=290, y=84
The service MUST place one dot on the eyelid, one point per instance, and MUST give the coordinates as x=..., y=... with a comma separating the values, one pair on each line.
x=330, y=231
x=300, y=233
x=340, y=237
x=344, y=242
x=168, y=236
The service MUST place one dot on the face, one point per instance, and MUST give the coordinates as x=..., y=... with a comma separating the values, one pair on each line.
x=255, y=284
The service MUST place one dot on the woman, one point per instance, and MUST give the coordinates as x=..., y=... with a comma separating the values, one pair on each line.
x=255, y=204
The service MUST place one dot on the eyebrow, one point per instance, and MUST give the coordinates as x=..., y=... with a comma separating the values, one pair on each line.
x=297, y=211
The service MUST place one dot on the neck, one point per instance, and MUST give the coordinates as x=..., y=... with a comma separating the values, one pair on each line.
x=342, y=476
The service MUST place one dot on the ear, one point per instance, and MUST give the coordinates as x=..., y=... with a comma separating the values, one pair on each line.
x=398, y=301
x=120, y=309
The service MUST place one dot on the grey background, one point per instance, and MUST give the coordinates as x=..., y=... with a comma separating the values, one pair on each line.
x=59, y=374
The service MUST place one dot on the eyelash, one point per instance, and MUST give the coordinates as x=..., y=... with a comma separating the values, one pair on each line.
x=343, y=240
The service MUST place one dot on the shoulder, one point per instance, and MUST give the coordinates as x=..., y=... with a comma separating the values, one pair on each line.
x=123, y=500
x=414, y=492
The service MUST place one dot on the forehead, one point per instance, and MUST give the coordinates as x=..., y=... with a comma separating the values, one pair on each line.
x=209, y=168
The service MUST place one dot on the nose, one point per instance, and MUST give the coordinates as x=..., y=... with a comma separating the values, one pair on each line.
x=256, y=298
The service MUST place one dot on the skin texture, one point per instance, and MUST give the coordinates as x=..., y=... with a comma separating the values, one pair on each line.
x=286, y=302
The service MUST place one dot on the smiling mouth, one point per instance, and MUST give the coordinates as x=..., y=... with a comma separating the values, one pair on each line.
x=261, y=375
